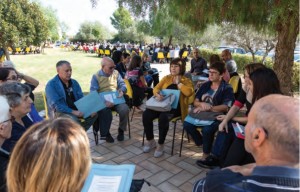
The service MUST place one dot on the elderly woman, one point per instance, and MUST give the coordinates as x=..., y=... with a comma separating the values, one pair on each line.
x=214, y=95
x=19, y=101
x=10, y=75
x=176, y=81
x=50, y=156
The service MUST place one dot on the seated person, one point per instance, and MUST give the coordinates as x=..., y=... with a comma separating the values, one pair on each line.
x=198, y=64
x=214, y=95
x=10, y=75
x=51, y=156
x=19, y=101
x=136, y=78
x=5, y=133
x=62, y=91
x=117, y=57
x=109, y=79
x=276, y=152
x=177, y=81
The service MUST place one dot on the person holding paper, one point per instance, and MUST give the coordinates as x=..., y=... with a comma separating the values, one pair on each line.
x=105, y=80
x=62, y=91
x=176, y=81
x=214, y=95
x=272, y=137
x=53, y=155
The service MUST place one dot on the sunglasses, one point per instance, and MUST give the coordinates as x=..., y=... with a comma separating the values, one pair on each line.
x=12, y=119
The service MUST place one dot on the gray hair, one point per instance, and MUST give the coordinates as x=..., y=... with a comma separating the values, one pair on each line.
x=8, y=63
x=14, y=92
x=62, y=62
x=4, y=109
x=106, y=60
x=281, y=124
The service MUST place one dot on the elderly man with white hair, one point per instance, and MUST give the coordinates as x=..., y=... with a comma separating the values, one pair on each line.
x=109, y=79
x=272, y=137
x=5, y=133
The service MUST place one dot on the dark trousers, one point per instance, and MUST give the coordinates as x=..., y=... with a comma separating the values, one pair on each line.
x=237, y=155
x=163, y=123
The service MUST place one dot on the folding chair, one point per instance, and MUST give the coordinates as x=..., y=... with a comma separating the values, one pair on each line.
x=160, y=55
x=234, y=82
x=45, y=105
x=107, y=52
x=174, y=121
x=185, y=54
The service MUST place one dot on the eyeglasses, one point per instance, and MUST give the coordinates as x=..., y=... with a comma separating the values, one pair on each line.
x=12, y=119
x=213, y=72
x=13, y=78
x=111, y=68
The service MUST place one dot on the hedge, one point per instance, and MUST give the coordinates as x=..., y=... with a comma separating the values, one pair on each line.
x=242, y=60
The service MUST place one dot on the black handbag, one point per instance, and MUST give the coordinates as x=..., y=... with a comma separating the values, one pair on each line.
x=137, y=185
x=205, y=115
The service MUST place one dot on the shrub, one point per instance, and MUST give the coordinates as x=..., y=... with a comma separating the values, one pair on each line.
x=242, y=60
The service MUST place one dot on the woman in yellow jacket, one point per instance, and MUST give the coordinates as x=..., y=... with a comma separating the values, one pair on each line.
x=176, y=80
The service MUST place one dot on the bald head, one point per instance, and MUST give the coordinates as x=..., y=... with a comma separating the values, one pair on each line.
x=278, y=116
x=107, y=65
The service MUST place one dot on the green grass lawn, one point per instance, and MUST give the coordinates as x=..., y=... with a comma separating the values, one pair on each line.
x=42, y=67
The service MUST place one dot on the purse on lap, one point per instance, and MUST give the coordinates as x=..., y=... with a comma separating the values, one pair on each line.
x=162, y=106
x=204, y=115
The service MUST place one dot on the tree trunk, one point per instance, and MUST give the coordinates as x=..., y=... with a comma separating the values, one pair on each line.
x=170, y=40
x=6, y=53
x=284, y=53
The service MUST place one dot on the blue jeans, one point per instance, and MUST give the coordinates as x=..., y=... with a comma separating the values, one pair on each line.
x=208, y=133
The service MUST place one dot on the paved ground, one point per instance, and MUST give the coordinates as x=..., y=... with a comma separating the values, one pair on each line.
x=167, y=173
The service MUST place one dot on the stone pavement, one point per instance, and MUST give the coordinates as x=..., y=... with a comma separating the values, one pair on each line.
x=167, y=173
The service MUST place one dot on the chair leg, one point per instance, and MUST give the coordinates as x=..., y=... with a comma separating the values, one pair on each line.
x=96, y=136
x=143, y=138
x=129, y=128
x=174, y=130
x=132, y=112
x=181, y=142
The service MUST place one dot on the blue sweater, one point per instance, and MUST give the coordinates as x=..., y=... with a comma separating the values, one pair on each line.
x=56, y=96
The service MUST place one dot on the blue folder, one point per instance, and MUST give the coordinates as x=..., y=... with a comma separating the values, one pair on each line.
x=174, y=92
x=95, y=101
x=109, y=178
x=197, y=122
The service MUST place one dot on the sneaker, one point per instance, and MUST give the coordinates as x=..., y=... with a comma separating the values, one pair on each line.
x=149, y=145
x=120, y=136
x=159, y=151
x=210, y=162
x=109, y=139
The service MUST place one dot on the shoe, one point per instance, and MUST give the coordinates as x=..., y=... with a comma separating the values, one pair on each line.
x=159, y=151
x=120, y=136
x=149, y=145
x=210, y=162
x=109, y=139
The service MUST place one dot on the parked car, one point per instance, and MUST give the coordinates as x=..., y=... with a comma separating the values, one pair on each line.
x=238, y=50
x=57, y=43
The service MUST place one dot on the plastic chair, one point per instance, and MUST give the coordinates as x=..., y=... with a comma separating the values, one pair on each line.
x=27, y=50
x=234, y=82
x=160, y=55
x=185, y=54
x=45, y=105
x=107, y=52
x=174, y=121
x=130, y=95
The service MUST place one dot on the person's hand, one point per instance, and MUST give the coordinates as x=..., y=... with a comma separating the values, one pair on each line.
x=109, y=104
x=195, y=73
x=223, y=126
x=120, y=92
x=159, y=97
x=205, y=106
x=93, y=114
x=245, y=170
x=197, y=110
x=77, y=113
x=220, y=117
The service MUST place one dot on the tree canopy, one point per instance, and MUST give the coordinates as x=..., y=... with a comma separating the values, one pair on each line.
x=21, y=23
x=92, y=31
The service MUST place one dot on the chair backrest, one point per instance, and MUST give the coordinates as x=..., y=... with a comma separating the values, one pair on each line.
x=45, y=105
x=107, y=52
x=27, y=49
x=168, y=55
x=160, y=55
x=141, y=53
x=234, y=82
x=129, y=89
x=185, y=54
x=101, y=51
